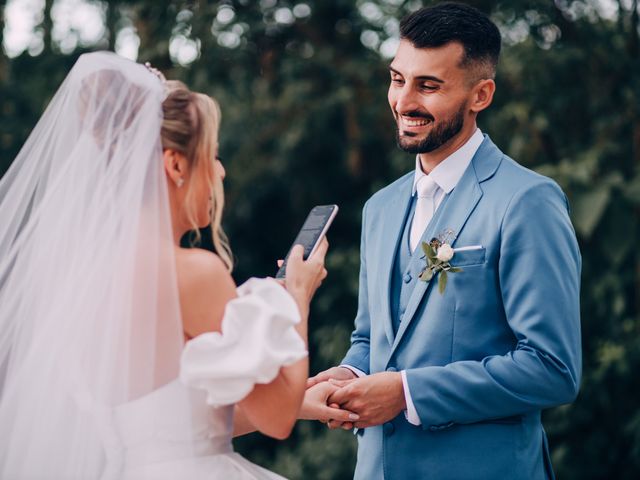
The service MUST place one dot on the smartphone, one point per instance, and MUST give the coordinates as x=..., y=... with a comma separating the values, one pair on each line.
x=313, y=230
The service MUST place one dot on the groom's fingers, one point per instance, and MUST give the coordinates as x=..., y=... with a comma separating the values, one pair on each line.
x=344, y=394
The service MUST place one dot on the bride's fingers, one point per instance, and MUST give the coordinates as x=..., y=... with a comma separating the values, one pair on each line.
x=297, y=253
x=337, y=415
x=333, y=425
x=324, y=274
x=321, y=251
x=341, y=383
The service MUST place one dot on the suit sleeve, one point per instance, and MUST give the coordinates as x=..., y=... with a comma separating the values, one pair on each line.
x=539, y=279
x=358, y=354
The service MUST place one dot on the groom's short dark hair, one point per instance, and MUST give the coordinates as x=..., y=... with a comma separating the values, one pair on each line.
x=443, y=23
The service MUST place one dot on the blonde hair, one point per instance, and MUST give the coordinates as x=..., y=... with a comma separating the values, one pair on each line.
x=190, y=127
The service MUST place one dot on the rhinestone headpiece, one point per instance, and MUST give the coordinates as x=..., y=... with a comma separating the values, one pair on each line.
x=160, y=76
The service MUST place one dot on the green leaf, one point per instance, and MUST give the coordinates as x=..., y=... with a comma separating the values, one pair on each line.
x=426, y=275
x=442, y=282
x=455, y=270
x=429, y=251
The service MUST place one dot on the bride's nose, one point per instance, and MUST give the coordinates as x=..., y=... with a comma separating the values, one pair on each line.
x=220, y=171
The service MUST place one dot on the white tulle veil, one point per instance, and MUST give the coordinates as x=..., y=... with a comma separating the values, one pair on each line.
x=89, y=311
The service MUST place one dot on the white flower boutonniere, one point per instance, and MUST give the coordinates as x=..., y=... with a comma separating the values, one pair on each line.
x=439, y=255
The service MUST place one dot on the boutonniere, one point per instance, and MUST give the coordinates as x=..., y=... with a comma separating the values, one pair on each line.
x=438, y=253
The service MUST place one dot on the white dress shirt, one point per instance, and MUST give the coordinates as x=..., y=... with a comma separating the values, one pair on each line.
x=446, y=174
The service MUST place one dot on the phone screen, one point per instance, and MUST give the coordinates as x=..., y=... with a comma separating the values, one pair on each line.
x=312, y=231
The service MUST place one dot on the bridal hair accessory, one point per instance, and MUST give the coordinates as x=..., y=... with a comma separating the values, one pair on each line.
x=160, y=76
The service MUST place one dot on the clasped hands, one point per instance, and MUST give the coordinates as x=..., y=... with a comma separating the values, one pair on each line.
x=340, y=399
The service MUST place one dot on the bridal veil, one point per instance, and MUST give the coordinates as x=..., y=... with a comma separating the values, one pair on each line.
x=89, y=308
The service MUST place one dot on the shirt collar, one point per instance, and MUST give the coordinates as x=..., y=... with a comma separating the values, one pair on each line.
x=448, y=173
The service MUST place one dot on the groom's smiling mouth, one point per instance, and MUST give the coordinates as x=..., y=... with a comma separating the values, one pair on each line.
x=413, y=124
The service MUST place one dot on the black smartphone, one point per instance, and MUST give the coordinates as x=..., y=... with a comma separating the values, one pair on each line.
x=313, y=230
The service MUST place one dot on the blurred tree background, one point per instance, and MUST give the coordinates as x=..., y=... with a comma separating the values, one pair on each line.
x=302, y=85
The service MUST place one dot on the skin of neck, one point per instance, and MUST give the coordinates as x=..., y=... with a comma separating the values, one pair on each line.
x=429, y=161
x=178, y=226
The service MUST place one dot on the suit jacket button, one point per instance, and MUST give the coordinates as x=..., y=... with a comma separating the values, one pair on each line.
x=407, y=277
x=388, y=428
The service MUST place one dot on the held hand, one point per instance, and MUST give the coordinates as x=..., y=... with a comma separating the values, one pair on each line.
x=376, y=398
x=314, y=406
x=336, y=373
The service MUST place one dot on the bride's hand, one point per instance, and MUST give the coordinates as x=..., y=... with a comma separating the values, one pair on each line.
x=314, y=406
x=304, y=277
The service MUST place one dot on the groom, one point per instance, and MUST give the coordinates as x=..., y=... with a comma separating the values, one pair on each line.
x=449, y=379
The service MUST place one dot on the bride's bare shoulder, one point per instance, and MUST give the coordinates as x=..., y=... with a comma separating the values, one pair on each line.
x=205, y=287
x=199, y=265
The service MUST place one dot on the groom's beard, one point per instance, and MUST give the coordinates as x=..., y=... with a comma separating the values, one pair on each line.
x=440, y=134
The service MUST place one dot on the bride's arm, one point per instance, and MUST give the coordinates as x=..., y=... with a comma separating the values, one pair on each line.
x=273, y=408
x=205, y=289
x=241, y=424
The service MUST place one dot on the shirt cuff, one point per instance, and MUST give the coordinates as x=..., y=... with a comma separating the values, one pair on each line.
x=358, y=373
x=410, y=413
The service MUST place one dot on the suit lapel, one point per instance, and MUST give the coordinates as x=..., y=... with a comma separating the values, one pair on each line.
x=394, y=218
x=452, y=214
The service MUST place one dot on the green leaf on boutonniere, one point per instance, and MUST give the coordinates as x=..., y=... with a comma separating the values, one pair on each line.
x=428, y=250
x=455, y=270
x=442, y=282
x=426, y=275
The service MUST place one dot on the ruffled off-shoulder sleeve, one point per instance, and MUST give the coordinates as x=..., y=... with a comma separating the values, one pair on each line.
x=258, y=337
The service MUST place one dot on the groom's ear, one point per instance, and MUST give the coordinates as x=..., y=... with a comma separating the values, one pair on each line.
x=482, y=95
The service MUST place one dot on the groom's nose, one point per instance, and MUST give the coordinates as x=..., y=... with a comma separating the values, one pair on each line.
x=406, y=100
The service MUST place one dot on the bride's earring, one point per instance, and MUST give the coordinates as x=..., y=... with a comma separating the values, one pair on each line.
x=180, y=182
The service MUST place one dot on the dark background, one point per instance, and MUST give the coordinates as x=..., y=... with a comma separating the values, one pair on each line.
x=302, y=87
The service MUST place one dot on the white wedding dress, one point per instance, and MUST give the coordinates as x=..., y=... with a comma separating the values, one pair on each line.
x=95, y=379
x=150, y=438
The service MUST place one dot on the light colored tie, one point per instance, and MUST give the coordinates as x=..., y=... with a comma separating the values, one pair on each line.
x=426, y=190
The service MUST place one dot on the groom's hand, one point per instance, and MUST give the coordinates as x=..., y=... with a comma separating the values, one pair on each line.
x=377, y=398
x=335, y=373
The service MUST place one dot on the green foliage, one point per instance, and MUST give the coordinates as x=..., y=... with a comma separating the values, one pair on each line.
x=305, y=122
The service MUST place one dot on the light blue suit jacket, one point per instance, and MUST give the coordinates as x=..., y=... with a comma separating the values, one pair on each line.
x=501, y=344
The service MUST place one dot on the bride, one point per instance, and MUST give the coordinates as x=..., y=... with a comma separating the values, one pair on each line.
x=123, y=355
